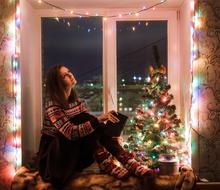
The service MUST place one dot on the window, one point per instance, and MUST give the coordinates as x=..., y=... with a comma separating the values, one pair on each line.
x=108, y=54
x=140, y=44
x=77, y=44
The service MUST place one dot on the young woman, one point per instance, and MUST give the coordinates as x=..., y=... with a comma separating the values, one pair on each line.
x=72, y=138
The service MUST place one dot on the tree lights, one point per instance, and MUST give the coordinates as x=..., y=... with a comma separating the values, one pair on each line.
x=155, y=129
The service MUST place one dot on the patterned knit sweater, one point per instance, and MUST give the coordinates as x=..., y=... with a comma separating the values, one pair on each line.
x=57, y=119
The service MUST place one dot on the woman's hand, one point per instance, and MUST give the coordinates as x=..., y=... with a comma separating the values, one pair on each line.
x=108, y=116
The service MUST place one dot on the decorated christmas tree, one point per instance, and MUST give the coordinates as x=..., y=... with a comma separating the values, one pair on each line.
x=155, y=129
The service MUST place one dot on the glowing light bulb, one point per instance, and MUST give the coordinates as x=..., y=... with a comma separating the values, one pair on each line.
x=198, y=23
x=15, y=89
x=139, y=135
x=14, y=75
x=164, y=99
x=17, y=141
x=148, y=79
x=156, y=125
x=151, y=112
x=172, y=134
x=192, y=4
x=12, y=30
x=18, y=157
x=149, y=142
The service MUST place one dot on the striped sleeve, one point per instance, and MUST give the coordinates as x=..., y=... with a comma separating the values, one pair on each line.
x=61, y=121
x=76, y=109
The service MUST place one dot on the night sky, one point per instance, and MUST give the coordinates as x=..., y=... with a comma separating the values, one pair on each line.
x=136, y=44
x=77, y=43
x=78, y=46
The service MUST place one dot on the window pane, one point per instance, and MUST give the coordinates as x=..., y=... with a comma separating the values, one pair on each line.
x=77, y=44
x=138, y=43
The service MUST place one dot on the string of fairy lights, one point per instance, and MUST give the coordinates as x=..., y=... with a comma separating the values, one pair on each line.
x=196, y=28
x=14, y=149
x=17, y=88
x=105, y=17
x=71, y=13
x=69, y=22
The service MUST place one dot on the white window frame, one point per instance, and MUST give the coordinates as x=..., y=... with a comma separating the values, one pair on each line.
x=110, y=55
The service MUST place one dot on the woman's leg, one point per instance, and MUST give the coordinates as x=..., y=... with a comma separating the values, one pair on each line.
x=107, y=163
x=126, y=158
x=103, y=158
x=87, y=146
x=58, y=159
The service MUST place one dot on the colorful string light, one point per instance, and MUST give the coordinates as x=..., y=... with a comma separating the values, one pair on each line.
x=12, y=147
x=196, y=27
x=16, y=91
x=87, y=14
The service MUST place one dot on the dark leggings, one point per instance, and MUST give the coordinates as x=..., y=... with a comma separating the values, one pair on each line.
x=112, y=146
x=60, y=158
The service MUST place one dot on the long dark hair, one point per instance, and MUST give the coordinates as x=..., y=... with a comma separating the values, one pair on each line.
x=55, y=87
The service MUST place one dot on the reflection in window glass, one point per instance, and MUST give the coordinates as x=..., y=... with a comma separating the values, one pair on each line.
x=140, y=44
x=77, y=44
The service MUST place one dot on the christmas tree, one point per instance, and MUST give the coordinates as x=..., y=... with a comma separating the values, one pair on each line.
x=155, y=129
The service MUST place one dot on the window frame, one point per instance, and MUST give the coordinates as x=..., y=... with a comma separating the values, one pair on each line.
x=110, y=55
x=110, y=49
